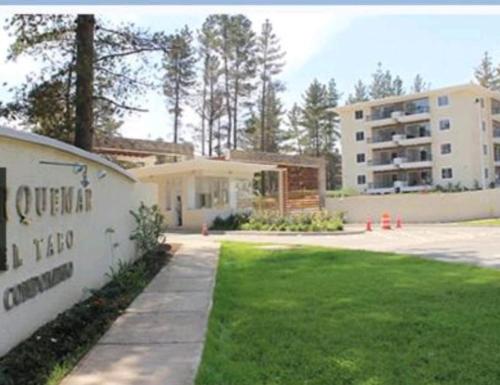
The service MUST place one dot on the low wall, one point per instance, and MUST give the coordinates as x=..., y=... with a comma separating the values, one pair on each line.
x=420, y=208
x=58, y=237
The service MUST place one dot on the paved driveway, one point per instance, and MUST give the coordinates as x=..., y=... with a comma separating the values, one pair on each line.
x=454, y=243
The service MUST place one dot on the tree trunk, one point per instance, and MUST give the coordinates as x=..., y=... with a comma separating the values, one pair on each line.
x=204, y=106
x=84, y=119
x=219, y=138
x=176, y=112
x=235, y=113
x=227, y=93
x=262, y=117
x=67, y=98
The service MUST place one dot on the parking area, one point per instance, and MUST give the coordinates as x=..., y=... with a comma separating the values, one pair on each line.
x=452, y=243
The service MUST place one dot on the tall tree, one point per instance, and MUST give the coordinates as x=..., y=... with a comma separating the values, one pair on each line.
x=419, y=85
x=243, y=67
x=360, y=93
x=315, y=117
x=180, y=75
x=397, y=86
x=121, y=53
x=294, y=137
x=274, y=135
x=485, y=73
x=383, y=84
x=84, y=68
x=211, y=94
x=269, y=64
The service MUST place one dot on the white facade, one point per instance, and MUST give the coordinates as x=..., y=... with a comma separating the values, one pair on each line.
x=443, y=137
x=58, y=227
x=195, y=192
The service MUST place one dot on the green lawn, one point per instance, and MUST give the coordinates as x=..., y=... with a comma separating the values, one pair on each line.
x=336, y=317
x=484, y=222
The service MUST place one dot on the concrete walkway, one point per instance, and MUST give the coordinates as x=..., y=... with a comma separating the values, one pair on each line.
x=159, y=339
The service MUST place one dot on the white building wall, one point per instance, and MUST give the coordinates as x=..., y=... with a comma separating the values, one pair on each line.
x=100, y=234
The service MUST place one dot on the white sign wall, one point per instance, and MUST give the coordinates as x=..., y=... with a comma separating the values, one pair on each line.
x=64, y=221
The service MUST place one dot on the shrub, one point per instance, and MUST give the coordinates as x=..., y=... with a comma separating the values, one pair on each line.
x=305, y=222
x=232, y=222
x=55, y=348
x=150, y=225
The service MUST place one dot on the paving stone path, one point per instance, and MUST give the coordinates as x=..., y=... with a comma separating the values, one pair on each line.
x=159, y=339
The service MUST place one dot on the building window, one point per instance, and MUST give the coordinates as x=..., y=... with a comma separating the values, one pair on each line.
x=486, y=173
x=443, y=101
x=212, y=192
x=446, y=148
x=361, y=179
x=484, y=125
x=360, y=135
x=446, y=173
x=360, y=158
x=358, y=114
x=444, y=124
x=485, y=149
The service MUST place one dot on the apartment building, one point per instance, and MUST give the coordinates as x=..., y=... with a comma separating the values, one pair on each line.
x=420, y=141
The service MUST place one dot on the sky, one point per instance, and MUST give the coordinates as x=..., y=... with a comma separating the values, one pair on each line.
x=442, y=43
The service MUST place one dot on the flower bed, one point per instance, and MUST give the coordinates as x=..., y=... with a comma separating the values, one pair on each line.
x=270, y=221
x=52, y=351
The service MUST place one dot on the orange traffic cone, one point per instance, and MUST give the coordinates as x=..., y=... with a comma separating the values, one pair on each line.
x=369, y=224
x=399, y=223
x=385, y=221
x=204, y=230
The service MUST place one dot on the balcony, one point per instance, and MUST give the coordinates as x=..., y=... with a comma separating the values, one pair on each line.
x=383, y=140
x=389, y=187
x=403, y=162
x=496, y=134
x=495, y=109
x=408, y=112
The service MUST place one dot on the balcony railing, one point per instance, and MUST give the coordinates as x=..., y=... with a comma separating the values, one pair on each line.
x=401, y=183
x=381, y=138
x=392, y=113
x=400, y=159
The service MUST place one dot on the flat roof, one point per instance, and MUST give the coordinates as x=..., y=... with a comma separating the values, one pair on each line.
x=201, y=164
x=118, y=144
x=402, y=98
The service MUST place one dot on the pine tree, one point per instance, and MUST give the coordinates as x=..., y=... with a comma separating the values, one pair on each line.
x=360, y=93
x=179, y=62
x=294, y=137
x=91, y=70
x=269, y=64
x=243, y=68
x=274, y=135
x=419, y=85
x=209, y=106
x=235, y=43
x=486, y=75
x=315, y=120
x=332, y=129
x=384, y=85
x=397, y=86
x=381, y=83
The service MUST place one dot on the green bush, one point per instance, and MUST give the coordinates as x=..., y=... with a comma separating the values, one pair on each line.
x=232, y=222
x=55, y=348
x=304, y=222
x=150, y=225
